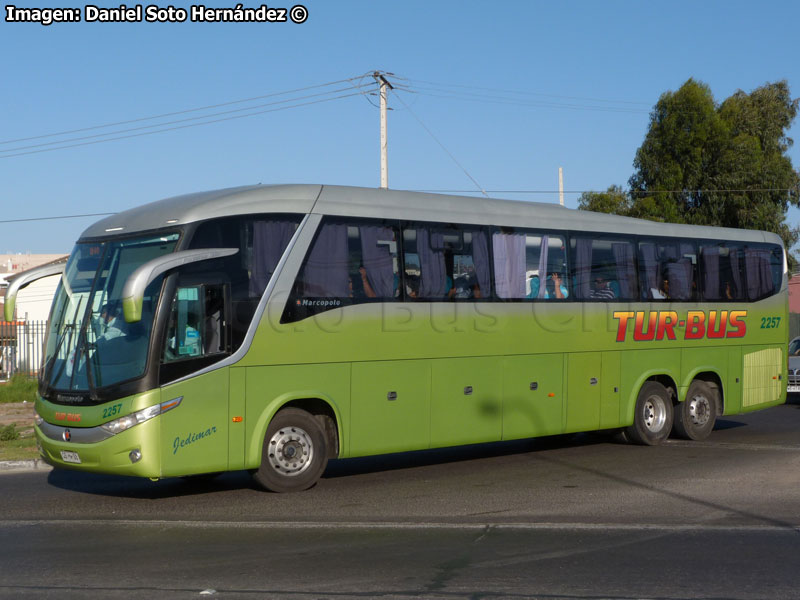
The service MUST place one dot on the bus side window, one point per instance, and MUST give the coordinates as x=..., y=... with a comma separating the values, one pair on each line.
x=446, y=262
x=196, y=325
x=512, y=278
x=668, y=270
x=349, y=262
x=723, y=275
x=262, y=241
x=425, y=271
x=604, y=268
x=763, y=269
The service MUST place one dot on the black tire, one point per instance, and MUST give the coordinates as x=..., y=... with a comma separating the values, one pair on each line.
x=295, y=452
x=695, y=416
x=652, y=417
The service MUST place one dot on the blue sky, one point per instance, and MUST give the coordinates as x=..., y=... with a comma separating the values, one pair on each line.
x=562, y=84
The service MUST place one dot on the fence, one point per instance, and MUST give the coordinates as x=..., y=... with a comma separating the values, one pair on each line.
x=21, y=347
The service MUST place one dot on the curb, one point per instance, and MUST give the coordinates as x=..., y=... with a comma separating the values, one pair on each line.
x=36, y=464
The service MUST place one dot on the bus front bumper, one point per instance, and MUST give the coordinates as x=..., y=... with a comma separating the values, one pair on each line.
x=132, y=452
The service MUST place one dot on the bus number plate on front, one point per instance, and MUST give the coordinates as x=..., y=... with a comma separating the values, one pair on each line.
x=70, y=457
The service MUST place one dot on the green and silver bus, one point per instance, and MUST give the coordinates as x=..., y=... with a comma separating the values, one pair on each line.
x=272, y=328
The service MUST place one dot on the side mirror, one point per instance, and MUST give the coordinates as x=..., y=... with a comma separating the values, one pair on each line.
x=133, y=291
x=24, y=280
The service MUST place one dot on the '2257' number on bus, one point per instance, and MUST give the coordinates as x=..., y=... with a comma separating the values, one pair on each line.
x=113, y=410
x=770, y=322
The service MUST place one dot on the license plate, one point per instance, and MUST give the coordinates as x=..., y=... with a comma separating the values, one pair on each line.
x=70, y=457
x=793, y=388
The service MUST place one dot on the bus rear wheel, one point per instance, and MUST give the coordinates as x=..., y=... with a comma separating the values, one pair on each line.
x=652, y=418
x=695, y=416
x=294, y=454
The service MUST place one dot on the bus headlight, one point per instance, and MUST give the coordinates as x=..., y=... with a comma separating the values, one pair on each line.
x=36, y=418
x=123, y=423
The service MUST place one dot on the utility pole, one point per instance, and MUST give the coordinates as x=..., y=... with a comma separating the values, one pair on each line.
x=384, y=141
x=561, y=186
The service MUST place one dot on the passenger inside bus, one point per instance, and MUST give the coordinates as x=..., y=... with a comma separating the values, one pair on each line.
x=111, y=325
x=555, y=287
x=602, y=288
x=661, y=292
x=359, y=285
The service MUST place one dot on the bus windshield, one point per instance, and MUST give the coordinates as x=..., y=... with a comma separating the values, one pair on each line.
x=89, y=344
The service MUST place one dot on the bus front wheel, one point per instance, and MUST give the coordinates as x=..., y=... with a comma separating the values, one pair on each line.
x=295, y=452
x=695, y=416
x=652, y=419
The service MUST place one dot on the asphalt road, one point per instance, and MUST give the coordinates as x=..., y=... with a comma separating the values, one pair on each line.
x=579, y=517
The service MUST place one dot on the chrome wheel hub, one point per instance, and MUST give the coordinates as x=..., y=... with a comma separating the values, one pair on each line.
x=290, y=451
x=655, y=414
x=699, y=410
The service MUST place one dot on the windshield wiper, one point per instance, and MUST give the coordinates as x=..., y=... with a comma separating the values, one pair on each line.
x=83, y=348
x=69, y=330
x=59, y=343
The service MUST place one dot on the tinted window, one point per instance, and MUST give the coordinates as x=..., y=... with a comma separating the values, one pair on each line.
x=196, y=323
x=604, y=268
x=349, y=262
x=723, y=276
x=668, y=270
x=524, y=260
x=446, y=262
x=261, y=240
x=763, y=265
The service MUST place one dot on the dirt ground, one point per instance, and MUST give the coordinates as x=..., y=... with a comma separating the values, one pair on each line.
x=20, y=413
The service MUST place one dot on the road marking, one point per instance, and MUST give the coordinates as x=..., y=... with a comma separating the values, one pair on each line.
x=416, y=525
x=734, y=445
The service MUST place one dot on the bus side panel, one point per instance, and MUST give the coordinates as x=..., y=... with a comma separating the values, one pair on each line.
x=466, y=401
x=610, y=389
x=637, y=367
x=236, y=418
x=390, y=407
x=764, y=379
x=583, y=391
x=194, y=435
x=533, y=398
x=270, y=388
x=700, y=360
x=732, y=394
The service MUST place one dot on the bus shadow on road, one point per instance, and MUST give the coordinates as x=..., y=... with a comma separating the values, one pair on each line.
x=175, y=487
x=723, y=424
x=440, y=456
x=144, y=489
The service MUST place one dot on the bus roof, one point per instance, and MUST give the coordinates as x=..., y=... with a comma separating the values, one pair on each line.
x=392, y=204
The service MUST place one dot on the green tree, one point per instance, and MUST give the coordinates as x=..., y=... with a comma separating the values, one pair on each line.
x=723, y=165
x=709, y=164
x=615, y=200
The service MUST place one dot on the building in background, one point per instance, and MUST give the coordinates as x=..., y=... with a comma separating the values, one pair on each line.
x=33, y=301
x=21, y=340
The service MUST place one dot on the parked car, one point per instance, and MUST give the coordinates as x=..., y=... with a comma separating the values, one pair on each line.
x=794, y=366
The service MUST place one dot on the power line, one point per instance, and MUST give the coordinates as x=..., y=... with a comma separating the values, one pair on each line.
x=470, y=191
x=443, y=191
x=636, y=192
x=450, y=154
x=435, y=92
x=56, y=218
x=525, y=92
x=100, y=135
x=184, y=126
x=180, y=112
